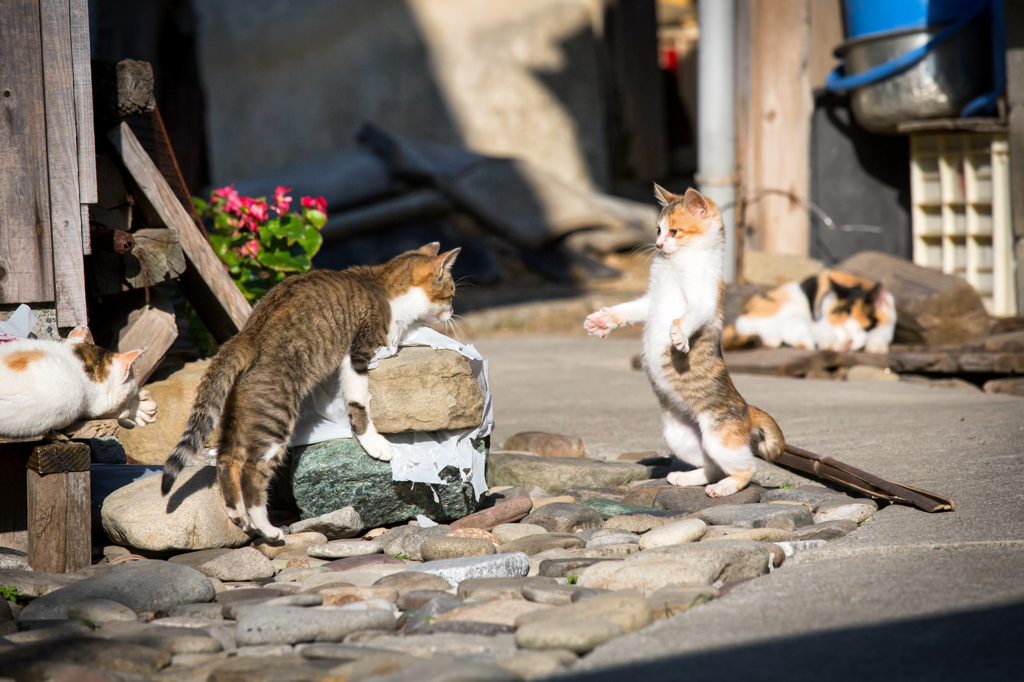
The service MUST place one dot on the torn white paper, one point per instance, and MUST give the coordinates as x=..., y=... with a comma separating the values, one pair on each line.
x=18, y=325
x=419, y=457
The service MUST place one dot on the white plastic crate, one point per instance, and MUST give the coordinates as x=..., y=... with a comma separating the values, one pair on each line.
x=960, y=205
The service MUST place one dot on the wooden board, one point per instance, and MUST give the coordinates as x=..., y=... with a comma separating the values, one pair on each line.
x=59, y=458
x=211, y=290
x=151, y=327
x=82, y=66
x=59, y=522
x=62, y=160
x=26, y=252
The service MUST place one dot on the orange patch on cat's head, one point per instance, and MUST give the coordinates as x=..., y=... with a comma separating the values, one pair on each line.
x=433, y=274
x=685, y=219
x=20, y=360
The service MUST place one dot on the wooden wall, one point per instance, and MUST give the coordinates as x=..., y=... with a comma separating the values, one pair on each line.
x=48, y=164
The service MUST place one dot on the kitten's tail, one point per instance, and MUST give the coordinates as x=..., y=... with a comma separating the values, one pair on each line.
x=233, y=358
x=733, y=340
x=766, y=433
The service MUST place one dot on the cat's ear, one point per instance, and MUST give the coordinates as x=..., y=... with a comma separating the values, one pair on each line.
x=694, y=202
x=663, y=196
x=877, y=294
x=445, y=261
x=123, y=362
x=430, y=249
x=80, y=335
x=841, y=291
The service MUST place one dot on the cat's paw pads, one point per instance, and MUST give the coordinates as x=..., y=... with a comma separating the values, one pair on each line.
x=601, y=322
x=723, y=488
x=679, y=340
x=377, y=446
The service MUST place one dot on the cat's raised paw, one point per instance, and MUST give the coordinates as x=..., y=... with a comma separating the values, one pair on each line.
x=377, y=446
x=687, y=478
x=679, y=340
x=601, y=322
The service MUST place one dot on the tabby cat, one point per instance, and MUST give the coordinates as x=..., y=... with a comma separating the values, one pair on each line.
x=829, y=311
x=301, y=332
x=706, y=421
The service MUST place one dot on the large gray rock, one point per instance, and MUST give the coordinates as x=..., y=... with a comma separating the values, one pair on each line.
x=292, y=624
x=335, y=525
x=139, y=585
x=422, y=389
x=240, y=565
x=565, y=517
x=702, y=562
x=191, y=517
x=558, y=474
x=338, y=473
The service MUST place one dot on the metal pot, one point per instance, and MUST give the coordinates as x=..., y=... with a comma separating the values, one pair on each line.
x=949, y=76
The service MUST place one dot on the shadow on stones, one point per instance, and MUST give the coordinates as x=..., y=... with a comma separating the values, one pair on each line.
x=206, y=478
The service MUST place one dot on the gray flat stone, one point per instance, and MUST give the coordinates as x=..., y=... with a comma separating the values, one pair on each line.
x=209, y=610
x=340, y=549
x=139, y=585
x=693, y=498
x=507, y=532
x=811, y=497
x=341, y=523
x=199, y=557
x=641, y=523
x=535, y=544
x=412, y=581
x=35, y=583
x=291, y=624
x=497, y=566
x=529, y=665
x=579, y=635
x=611, y=536
x=558, y=474
x=466, y=627
x=448, y=646
x=699, y=562
x=830, y=530
x=784, y=516
x=407, y=540
x=14, y=559
x=553, y=594
x=244, y=564
x=425, y=614
x=101, y=611
x=563, y=568
x=564, y=517
x=628, y=609
x=484, y=589
x=30, y=662
x=857, y=511
x=410, y=601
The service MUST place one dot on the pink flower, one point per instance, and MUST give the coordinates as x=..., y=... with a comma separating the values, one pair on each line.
x=258, y=210
x=233, y=202
x=319, y=203
x=250, y=248
x=282, y=200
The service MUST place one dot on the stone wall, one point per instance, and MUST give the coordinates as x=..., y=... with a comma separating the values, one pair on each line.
x=289, y=80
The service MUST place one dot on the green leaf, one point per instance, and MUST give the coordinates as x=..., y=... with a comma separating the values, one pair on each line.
x=316, y=217
x=284, y=262
x=200, y=204
x=311, y=240
x=292, y=228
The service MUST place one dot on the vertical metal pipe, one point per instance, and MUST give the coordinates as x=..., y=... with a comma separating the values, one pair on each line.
x=716, y=115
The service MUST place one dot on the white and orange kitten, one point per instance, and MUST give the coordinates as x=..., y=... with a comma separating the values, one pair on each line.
x=706, y=422
x=47, y=385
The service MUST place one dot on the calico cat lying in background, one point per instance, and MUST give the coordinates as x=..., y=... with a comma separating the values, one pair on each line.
x=830, y=311
x=46, y=385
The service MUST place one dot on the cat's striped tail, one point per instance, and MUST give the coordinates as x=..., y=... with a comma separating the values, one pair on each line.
x=233, y=358
x=766, y=433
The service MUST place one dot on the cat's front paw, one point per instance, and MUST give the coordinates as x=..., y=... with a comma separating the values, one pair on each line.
x=724, y=488
x=601, y=322
x=377, y=446
x=145, y=411
x=679, y=339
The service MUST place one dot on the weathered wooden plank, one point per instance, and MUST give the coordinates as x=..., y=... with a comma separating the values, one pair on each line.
x=154, y=256
x=151, y=327
x=122, y=89
x=62, y=161
x=59, y=521
x=59, y=458
x=82, y=66
x=86, y=233
x=218, y=301
x=26, y=252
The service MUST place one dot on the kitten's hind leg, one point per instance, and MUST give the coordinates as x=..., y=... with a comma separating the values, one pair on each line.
x=728, y=446
x=230, y=460
x=684, y=440
x=355, y=386
x=255, y=481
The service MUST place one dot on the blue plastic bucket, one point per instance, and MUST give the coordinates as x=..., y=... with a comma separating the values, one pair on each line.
x=867, y=17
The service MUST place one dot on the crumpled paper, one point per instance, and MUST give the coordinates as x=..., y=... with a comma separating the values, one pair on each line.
x=18, y=325
x=419, y=457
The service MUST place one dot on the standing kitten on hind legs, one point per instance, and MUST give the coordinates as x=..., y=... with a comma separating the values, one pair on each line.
x=706, y=421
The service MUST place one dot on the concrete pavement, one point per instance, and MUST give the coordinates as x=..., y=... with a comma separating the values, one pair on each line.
x=909, y=595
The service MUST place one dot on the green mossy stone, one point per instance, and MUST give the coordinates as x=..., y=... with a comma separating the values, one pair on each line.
x=338, y=473
x=610, y=508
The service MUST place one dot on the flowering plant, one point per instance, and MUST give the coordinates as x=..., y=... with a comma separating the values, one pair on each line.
x=259, y=250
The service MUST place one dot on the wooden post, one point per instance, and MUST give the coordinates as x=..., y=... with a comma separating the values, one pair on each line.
x=218, y=301
x=59, y=521
x=1015, y=102
x=62, y=159
x=26, y=254
x=778, y=122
